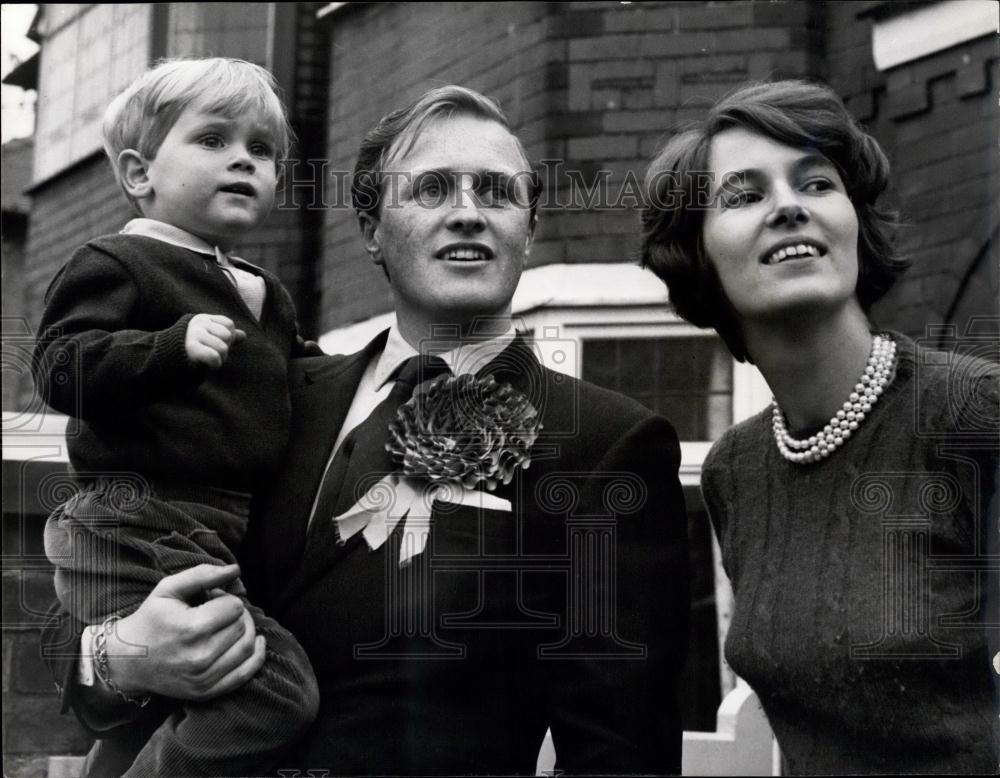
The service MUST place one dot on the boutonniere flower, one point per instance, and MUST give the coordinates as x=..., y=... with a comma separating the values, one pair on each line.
x=453, y=434
x=464, y=430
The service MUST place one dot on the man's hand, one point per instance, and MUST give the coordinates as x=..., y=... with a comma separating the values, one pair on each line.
x=209, y=337
x=189, y=652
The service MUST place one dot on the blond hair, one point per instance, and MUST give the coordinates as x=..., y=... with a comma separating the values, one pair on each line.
x=141, y=116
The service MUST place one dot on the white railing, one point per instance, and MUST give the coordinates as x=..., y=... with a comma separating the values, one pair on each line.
x=742, y=743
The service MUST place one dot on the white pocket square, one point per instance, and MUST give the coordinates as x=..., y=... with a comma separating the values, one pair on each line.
x=457, y=495
x=397, y=498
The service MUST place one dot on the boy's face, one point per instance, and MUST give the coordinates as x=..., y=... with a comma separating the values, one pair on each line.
x=213, y=176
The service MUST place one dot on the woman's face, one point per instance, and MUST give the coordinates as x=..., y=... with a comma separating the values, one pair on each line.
x=781, y=231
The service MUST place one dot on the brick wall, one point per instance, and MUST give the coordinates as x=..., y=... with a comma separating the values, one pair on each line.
x=596, y=86
x=289, y=242
x=599, y=86
x=81, y=203
x=32, y=725
x=630, y=75
x=937, y=121
x=16, y=368
x=15, y=160
x=498, y=48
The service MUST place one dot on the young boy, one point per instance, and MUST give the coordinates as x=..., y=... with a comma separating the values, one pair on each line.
x=172, y=353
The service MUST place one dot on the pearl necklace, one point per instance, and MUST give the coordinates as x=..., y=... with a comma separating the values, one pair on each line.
x=866, y=392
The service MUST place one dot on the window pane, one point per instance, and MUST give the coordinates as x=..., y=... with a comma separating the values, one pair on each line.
x=601, y=362
x=689, y=380
x=220, y=29
x=96, y=52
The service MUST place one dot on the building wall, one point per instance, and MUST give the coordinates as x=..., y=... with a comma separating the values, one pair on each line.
x=81, y=203
x=16, y=330
x=497, y=48
x=632, y=74
x=33, y=728
x=306, y=96
x=596, y=86
x=15, y=160
x=937, y=120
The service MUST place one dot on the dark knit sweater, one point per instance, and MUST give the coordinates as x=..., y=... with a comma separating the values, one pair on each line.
x=857, y=616
x=111, y=354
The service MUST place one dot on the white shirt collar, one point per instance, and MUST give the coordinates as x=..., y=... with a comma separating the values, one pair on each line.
x=175, y=236
x=168, y=233
x=466, y=358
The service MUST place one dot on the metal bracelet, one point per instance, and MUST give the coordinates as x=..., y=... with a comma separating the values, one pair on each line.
x=103, y=669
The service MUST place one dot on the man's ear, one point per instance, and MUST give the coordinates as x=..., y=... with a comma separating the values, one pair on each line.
x=133, y=172
x=369, y=232
x=531, y=234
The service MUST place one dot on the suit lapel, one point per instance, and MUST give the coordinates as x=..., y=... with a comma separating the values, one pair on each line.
x=322, y=390
x=518, y=366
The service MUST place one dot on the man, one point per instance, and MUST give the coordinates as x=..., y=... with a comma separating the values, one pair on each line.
x=448, y=639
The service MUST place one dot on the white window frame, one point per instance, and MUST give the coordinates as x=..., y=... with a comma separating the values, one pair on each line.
x=928, y=29
x=560, y=332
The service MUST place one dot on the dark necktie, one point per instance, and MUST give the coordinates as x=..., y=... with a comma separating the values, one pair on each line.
x=362, y=458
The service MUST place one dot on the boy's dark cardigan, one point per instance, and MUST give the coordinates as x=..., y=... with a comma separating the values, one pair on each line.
x=111, y=353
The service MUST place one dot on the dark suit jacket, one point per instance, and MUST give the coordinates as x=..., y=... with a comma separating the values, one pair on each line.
x=570, y=611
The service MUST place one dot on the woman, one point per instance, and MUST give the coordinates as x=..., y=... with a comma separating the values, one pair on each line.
x=837, y=508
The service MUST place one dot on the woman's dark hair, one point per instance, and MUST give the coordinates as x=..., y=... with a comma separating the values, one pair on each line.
x=678, y=191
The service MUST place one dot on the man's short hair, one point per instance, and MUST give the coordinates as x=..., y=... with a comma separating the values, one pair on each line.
x=792, y=112
x=397, y=132
x=141, y=116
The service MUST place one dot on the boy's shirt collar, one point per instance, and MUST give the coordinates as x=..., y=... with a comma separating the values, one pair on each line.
x=175, y=236
x=168, y=233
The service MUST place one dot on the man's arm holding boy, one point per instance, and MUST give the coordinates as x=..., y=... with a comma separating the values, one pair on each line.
x=168, y=647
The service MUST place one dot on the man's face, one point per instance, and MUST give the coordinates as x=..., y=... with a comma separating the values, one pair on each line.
x=454, y=226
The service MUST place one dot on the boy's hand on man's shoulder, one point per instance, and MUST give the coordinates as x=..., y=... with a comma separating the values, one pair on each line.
x=209, y=337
